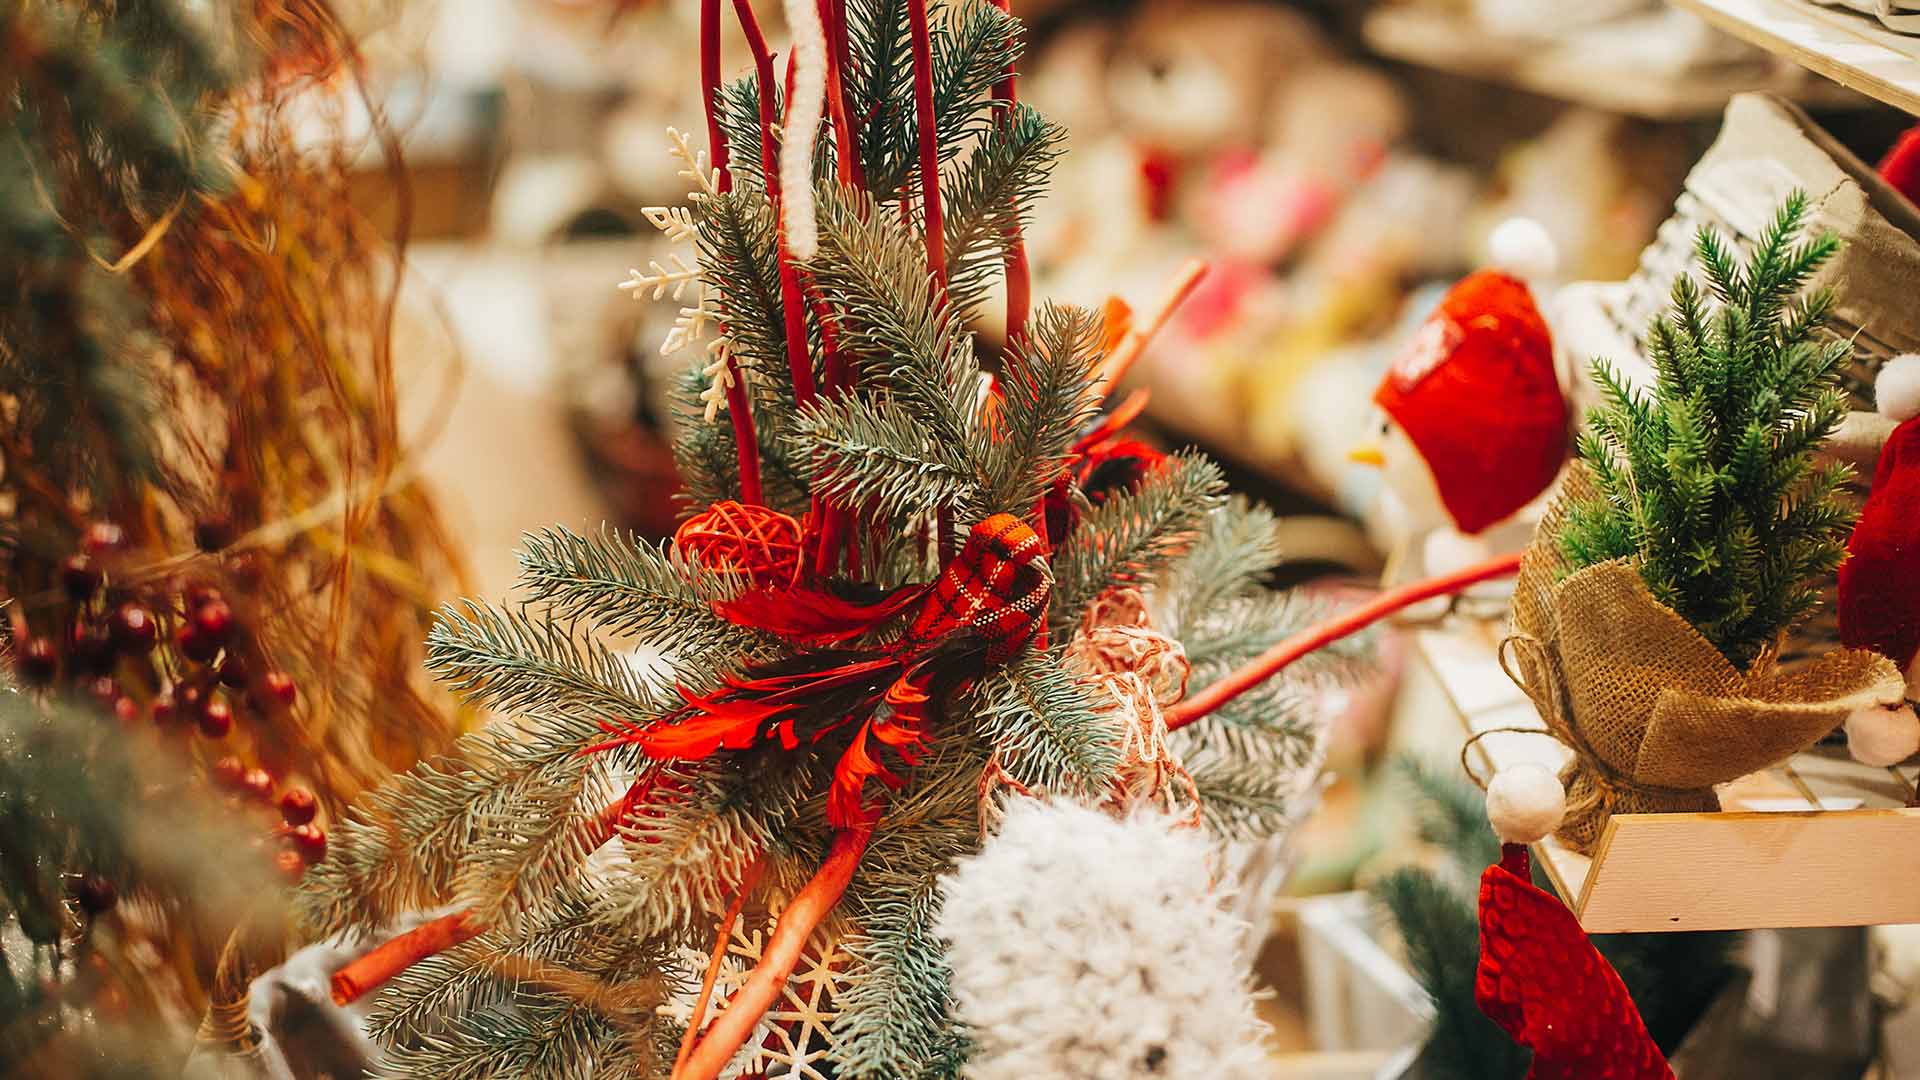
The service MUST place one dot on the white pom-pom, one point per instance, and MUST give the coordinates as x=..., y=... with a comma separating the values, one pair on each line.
x=1897, y=389
x=1522, y=247
x=1525, y=803
x=1883, y=735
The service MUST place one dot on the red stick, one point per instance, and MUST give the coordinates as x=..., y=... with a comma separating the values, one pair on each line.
x=1269, y=663
x=746, y=440
x=763, y=77
x=719, y=955
x=710, y=88
x=833, y=18
x=810, y=906
x=929, y=151
x=1019, y=278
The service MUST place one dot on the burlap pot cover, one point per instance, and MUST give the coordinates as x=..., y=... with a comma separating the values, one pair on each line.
x=1654, y=714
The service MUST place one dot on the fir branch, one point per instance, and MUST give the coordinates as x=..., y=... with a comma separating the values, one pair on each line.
x=515, y=662
x=623, y=586
x=1048, y=397
x=1245, y=800
x=1131, y=536
x=991, y=195
x=1034, y=713
x=877, y=455
x=894, y=1021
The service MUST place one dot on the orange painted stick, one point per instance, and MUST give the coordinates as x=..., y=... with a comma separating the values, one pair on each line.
x=809, y=907
x=1135, y=342
x=366, y=972
x=1269, y=663
x=747, y=882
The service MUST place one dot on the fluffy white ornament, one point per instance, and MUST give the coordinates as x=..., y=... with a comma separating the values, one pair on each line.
x=1522, y=247
x=1085, y=948
x=803, y=124
x=1525, y=803
x=1883, y=735
x=1897, y=388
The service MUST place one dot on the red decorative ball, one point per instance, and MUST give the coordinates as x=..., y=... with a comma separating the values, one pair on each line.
x=212, y=534
x=38, y=661
x=134, y=629
x=126, y=710
x=103, y=536
x=310, y=841
x=216, y=720
x=104, y=690
x=165, y=710
x=281, y=686
x=257, y=783
x=80, y=576
x=230, y=773
x=298, y=806
x=732, y=537
x=200, y=594
x=191, y=697
x=214, y=619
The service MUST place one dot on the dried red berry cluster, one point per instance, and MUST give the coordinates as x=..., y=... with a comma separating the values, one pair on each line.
x=180, y=648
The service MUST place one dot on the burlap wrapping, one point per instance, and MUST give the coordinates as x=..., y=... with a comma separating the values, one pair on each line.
x=1654, y=714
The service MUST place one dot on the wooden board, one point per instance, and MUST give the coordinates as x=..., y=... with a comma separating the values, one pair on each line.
x=1851, y=49
x=1739, y=869
x=1463, y=46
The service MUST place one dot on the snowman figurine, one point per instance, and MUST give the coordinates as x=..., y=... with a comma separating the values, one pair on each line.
x=1473, y=422
x=1880, y=579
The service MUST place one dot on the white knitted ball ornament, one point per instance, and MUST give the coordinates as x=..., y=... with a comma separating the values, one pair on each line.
x=1525, y=803
x=1522, y=247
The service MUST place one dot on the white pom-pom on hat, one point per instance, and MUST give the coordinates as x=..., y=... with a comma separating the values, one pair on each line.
x=1522, y=247
x=1883, y=735
x=1525, y=803
x=1897, y=388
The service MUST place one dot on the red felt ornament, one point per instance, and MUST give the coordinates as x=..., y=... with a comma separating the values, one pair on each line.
x=1540, y=978
x=985, y=607
x=737, y=538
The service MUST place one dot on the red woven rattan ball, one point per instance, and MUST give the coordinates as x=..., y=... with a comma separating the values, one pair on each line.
x=753, y=540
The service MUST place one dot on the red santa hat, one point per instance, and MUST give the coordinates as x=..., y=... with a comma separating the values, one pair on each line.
x=1477, y=394
x=1901, y=166
x=1880, y=579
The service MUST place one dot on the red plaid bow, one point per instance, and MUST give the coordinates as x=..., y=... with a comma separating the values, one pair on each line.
x=986, y=606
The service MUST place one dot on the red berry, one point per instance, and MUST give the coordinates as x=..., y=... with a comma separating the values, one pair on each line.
x=248, y=570
x=289, y=864
x=213, y=533
x=95, y=894
x=310, y=841
x=200, y=593
x=191, y=697
x=126, y=710
x=79, y=576
x=195, y=645
x=298, y=806
x=134, y=629
x=258, y=783
x=38, y=662
x=104, y=536
x=280, y=685
x=90, y=647
x=230, y=773
x=233, y=671
x=214, y=619
x=216, y=720
x=165, y=709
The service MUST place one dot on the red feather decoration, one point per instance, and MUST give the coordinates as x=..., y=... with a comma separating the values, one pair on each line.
x=988, y=604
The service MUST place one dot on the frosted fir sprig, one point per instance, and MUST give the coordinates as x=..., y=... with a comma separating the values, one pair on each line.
x=720, y=372
x=661, y=281
x=698, y=171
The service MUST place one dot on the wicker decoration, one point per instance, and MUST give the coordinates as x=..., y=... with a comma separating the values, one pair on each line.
x=737, y=538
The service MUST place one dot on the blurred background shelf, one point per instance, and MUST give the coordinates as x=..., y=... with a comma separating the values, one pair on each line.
x=1849, y=48
x=1563, y=70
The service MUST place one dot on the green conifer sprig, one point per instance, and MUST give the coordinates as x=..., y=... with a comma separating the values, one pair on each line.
x=1710, y=482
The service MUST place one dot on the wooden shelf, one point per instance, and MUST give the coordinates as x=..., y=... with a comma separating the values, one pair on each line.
x=1461, y=46
x=1849, y=48
x=1818, y=841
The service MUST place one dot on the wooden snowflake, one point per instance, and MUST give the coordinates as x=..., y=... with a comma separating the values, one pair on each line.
x=795, y=1035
